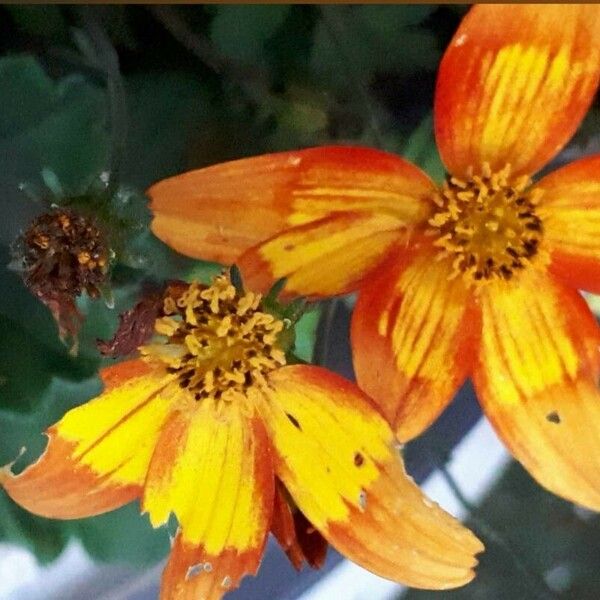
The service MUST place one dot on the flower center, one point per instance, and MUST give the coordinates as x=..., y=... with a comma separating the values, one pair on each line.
x=487, y=225
x=218, y=342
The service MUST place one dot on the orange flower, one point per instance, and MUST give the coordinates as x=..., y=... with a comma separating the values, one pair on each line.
x=212, y=426
x=475, y=279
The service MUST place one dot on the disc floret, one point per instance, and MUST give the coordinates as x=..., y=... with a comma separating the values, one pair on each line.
x=487, y=224
x=217, y=341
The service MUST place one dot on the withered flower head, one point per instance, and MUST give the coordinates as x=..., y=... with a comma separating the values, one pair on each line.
x=61, y=255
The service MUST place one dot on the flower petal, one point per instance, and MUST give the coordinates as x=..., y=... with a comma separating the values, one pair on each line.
x=570, y=211
x=337, y=457
x=192, y=574
x=219, y=212
x=212, y=469
x=537, y=379
x=98, y=453
x=323, y=258
x=295, y=533
x=515, y=83
x=413, y=333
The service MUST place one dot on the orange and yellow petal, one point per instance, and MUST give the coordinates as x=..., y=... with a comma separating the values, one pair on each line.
x=413, y=334
x=98, y=453
x=337, y=457
x=324, y=258
x=537, y=380
x=514, y=85
x=212, y=469
x=219, y=212
x=192, y=574
x=570, y=211
x=295, y=533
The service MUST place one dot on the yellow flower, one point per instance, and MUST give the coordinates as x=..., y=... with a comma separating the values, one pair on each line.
x=211, y=425
x=477, y=278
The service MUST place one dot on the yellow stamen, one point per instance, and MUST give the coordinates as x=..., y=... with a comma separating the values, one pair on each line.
x=220, y=344
x=486, y=225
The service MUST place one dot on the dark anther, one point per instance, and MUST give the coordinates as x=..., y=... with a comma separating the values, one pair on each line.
x=247, y=378
x=478, y=275
x=359, y=459
x=505, y=272
x=489, y=263
x=184, y=383
x=218, y=394
x=512, y=252
x=172, y=370
x=236, y=364
x=520, y=201
x=553, y=417
x=293, y=421
x=534, y=226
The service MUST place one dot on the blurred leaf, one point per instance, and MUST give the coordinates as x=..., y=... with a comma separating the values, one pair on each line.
x=45, y=538
x=240, y=32
x=371, y=39
x=387, y=19
x=122, y=536
x=40, y=21
x=25, y=367
x=306, y=334
x=165, y=112
x=421, y=150
x=59, y=126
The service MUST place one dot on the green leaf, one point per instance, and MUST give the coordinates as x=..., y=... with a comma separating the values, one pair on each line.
x=45, y=124
x=25, y=367
x=166, y=110
x=306, y=334
x=122, y=536
x=45, y=538
x=421, y=150
x=41, y=21
x=357, y=42
x=240, y=32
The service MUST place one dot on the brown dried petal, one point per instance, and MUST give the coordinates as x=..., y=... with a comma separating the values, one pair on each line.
x=136, y=326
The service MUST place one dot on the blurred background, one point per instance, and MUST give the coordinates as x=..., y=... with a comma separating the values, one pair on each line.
x=99, y=102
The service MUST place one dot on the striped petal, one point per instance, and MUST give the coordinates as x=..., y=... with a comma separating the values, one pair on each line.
x=219, y=212
x=570, y=210
x=98, y=453
x=337, y=457
x=537, y=379
x=212, y=469
x=413, y=334
x=324, y=258
x=515, y=83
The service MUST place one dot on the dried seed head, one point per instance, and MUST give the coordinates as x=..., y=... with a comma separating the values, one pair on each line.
x=63, y=252
x=61, y=255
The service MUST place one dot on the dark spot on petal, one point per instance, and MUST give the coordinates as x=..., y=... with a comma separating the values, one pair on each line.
x=553, y=417
x=289, y=247
x=359, y=459
x=293, y=421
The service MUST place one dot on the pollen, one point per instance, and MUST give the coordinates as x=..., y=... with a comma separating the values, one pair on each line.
x=486, y=225
x=216, y=340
